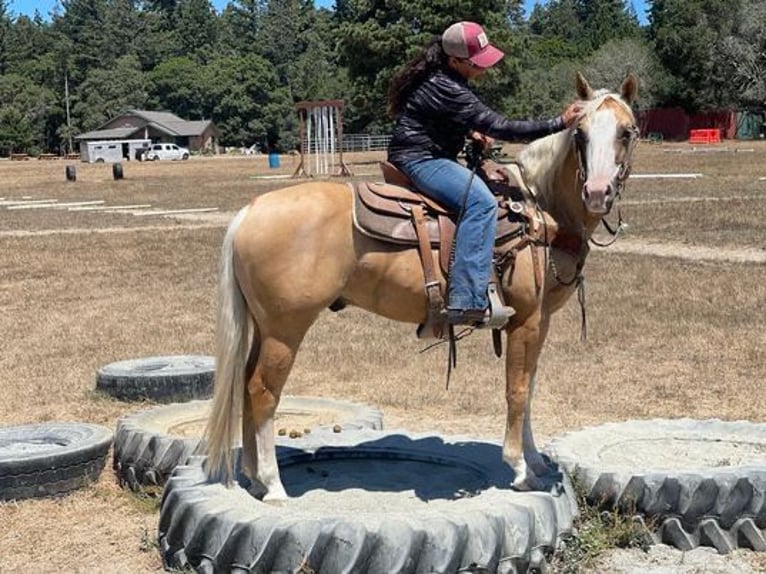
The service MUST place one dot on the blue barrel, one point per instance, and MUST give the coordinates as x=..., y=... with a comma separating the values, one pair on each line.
x=273, y=160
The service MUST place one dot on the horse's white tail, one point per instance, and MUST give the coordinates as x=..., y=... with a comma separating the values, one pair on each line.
x=232, y=348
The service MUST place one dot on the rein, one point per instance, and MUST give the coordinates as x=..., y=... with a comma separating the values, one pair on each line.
x=578, y=280
x=475, y=158
x=581, y=252
x=613, y=231
x=452, y=339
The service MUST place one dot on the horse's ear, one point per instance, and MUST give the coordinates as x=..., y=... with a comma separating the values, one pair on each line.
x=629, y=88
x=584, y=91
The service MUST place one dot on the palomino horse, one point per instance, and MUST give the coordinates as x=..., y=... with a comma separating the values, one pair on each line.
x=293, y=252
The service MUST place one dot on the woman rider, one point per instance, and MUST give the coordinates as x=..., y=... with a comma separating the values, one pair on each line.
x=435, y=110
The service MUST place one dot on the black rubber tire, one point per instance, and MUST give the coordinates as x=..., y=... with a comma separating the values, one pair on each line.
x=466, y=518
x=700, y=482
x=162, y=379
x=117, y=171
x=48, y=459
x=185, y=156
x=71, y=173
x=146, y=450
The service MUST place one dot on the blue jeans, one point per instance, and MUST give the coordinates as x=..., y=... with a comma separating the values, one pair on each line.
x=447, y=181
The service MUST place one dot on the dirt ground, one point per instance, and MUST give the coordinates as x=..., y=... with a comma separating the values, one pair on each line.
x=674, y=325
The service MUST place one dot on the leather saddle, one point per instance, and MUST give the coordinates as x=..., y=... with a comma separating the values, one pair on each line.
x=395, y=212
x=389, y=211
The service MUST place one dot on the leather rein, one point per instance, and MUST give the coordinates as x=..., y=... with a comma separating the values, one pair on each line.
x=578, y=245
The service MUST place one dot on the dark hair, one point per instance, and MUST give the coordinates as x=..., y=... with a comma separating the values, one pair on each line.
x=430, y=59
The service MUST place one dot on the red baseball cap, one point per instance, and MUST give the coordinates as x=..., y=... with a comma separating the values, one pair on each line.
x=468, y=40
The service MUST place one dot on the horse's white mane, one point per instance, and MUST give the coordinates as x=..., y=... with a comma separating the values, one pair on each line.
x=542, y=156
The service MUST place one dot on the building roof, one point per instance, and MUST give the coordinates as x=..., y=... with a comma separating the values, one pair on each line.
x=165, y=122
x=112, y=134
x=171, y=123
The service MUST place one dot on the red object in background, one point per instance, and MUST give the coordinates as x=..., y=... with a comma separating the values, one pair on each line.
x=723, y=120
x=705, y=136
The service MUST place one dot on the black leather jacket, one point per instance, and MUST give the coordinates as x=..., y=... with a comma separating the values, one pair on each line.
x=440, y=112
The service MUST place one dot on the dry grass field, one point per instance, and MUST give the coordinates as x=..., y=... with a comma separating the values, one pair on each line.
x=668, y=336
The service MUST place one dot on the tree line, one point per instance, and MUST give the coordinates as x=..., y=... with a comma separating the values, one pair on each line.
x=245, y=68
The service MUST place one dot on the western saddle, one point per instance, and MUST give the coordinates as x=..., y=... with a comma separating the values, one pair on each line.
x=395, y=212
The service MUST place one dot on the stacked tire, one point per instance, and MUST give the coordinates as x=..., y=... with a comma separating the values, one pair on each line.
x=701, y=483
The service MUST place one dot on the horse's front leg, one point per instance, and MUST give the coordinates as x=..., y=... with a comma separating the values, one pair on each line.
x=535, y=461
x=525, y=341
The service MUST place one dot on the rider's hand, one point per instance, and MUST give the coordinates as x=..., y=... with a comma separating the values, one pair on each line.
x=484, y=140
x=500, y=174
x=573, y=114
x=491, y=171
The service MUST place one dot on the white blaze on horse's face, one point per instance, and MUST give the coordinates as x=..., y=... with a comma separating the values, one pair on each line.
x=603, y=148
x=597, y=191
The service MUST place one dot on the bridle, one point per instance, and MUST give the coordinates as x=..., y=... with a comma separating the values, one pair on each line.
x=630, y=138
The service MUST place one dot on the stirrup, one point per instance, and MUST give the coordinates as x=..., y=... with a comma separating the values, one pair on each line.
x=434, y=328
x=499, y=314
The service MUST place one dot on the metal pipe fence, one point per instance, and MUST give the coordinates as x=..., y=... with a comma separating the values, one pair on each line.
x=353, y=142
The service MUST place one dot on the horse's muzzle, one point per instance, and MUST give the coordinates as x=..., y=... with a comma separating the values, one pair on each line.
x=598, y=195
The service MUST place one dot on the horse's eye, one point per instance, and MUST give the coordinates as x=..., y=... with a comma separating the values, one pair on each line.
x=628, y=134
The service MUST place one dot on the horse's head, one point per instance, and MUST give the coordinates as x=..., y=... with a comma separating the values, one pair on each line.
x=604, y=141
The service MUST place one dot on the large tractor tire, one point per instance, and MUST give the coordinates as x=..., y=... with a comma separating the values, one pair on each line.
x=149, y=444
x=48, y=459
x=702, y=483
x=369, y=502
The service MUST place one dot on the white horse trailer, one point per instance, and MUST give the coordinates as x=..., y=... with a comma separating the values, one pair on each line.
x=113, y=151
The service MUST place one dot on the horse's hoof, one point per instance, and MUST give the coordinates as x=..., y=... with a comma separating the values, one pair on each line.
x=537, y=463
x=520, y=485
x=529, y=482
x=521, y=477
x=275, y=495
x=256, y=490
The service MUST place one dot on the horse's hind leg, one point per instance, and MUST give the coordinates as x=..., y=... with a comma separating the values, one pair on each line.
x=262, y=393
x=249, y=460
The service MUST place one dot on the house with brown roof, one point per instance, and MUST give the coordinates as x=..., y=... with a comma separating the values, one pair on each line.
x=197, y=136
